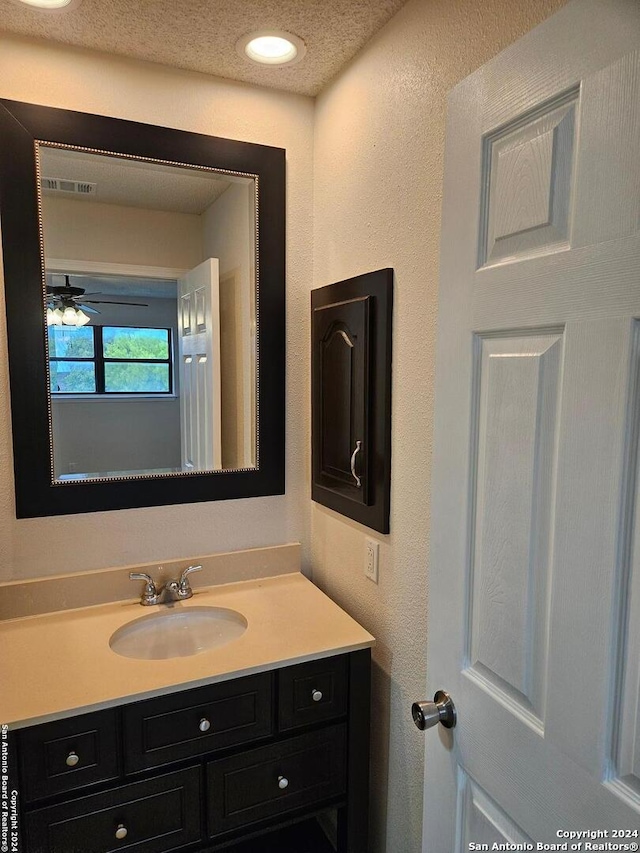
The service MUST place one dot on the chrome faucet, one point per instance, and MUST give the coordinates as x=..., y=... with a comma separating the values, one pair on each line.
x=181, y=589
x=178, y=590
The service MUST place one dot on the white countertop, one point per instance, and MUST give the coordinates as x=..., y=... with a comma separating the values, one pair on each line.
x=60, y=664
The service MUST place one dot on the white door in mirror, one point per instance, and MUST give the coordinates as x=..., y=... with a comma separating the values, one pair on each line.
x=199, y=365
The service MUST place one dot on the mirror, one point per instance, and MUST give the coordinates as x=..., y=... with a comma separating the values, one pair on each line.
x=151, y=367
x=144, y=277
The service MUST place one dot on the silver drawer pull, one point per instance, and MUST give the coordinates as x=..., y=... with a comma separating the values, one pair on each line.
x=283, y=782
x=121, y=832
x=353, y=463
x=72, y=759
x=316, y=695
x=204, y=725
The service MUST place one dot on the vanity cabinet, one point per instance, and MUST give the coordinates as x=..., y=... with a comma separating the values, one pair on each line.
x=205, y=768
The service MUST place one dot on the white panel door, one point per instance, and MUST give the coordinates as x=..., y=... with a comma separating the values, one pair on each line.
x=534, y=623
x=199, y=360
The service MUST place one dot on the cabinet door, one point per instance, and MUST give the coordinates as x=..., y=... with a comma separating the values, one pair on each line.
x=351, y=397
x=312, y=692
x=191, y=723
x=341, y=384
x=153, y=816
x=68, y=754
x=307, y=770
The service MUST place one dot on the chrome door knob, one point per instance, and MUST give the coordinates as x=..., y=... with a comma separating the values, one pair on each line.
x=441, y=710
x=283, y=782
x=72, y=759
x=121, y=832
x=204, y=725
x=316, y=695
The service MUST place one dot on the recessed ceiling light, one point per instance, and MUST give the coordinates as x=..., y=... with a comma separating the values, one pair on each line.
x=271, y=47
x=49, y=4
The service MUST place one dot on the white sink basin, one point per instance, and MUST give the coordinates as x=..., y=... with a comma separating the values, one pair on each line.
x=177, y=633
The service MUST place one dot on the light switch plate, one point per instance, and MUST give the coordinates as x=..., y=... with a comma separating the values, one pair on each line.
x=371, y=556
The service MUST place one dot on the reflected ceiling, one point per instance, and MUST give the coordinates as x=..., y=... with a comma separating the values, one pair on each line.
x=132, y=183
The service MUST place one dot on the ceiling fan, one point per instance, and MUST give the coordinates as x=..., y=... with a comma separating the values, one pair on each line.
x=66, y=305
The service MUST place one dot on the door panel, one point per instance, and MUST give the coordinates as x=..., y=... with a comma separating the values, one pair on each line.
x=533, y=579
x=527, y=179
x=481, y=820
x=626, y=716
x=199, y=359
x=518, y=380
x=342, y=333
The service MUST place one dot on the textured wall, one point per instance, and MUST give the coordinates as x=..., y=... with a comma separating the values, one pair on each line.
x=89, y=82
x=119, y=234
x=379, y=141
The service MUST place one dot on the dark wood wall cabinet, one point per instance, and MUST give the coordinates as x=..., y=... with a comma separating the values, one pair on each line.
x=351, y=397
x=246, y=764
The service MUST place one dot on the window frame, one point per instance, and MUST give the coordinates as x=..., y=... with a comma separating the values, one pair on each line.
x=99, y=360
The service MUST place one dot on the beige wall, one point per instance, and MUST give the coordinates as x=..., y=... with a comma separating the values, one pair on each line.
x=80, y=80
x=228, y=233
x=114, y=234
x=379, y=140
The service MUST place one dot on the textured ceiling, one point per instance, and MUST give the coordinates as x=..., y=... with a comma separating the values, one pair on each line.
x=134, y=183
x=201, y=35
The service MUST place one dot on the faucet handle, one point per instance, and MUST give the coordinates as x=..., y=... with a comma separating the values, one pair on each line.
x=184, y=583
x=150, y=594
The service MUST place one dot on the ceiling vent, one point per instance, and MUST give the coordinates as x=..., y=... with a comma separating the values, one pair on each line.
x=62, y=185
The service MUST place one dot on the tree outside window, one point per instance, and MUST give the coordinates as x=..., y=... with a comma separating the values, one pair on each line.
x=110, y=360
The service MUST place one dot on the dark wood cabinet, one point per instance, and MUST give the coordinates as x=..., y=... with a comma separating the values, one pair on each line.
x=313, y=692
x=351, y=397
x=206, y=768
x=146, y=817
x=69, y=754
x=276, y=779
x=159, y=731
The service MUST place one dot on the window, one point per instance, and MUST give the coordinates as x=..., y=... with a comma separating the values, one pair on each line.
x=110, y=360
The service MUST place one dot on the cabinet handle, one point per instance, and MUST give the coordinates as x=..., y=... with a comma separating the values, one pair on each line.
x=204, y=725
x=353, y=464
x=72, y=759
x=283, y=782
x=121, y=832
x=316, y=695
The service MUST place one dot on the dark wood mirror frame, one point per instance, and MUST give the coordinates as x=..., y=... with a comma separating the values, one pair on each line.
x=22, y=126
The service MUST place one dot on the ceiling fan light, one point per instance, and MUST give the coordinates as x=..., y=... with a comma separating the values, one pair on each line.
x=56, y=317
x=69, y=316
x=81, y=318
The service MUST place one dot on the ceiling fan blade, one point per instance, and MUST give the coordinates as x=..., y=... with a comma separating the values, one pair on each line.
x=86, y=308
x=109, y=302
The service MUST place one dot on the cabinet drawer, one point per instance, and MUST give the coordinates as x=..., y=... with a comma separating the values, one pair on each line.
x=148, y=817
x=244, y=788
x=187, y=724
x=312, y=692
x=67, y=754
